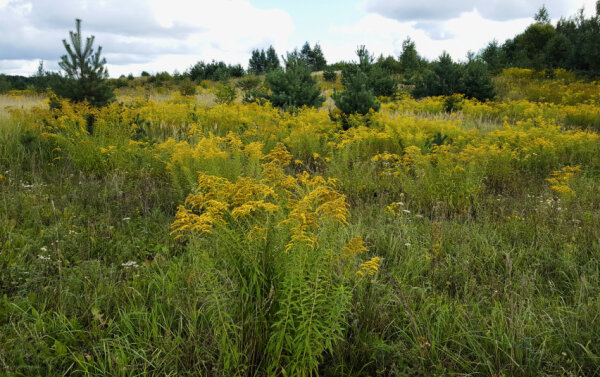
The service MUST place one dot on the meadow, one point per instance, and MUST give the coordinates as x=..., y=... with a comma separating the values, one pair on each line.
x=170, y=235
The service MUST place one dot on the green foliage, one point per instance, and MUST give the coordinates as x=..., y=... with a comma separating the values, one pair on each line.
x=409, y=58
x=444, y=78
x=249, y=82
x=447, y=77
x=329, y=74
x=363, y=82
x=313, y=57
x=559, y=52
x=216, y=71
x=85, y=71
x=477, y=81
x=294, y=87
x=389, y=64
x=263, y=62
x=572, y=45
x=357, y=96
x=485, y=269
x=542, y=16
x=453, y=103
x=225, y=93
x=493, y=55
x=187, y=87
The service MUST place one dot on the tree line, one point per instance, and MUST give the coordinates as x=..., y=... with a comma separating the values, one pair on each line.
x=289, y=82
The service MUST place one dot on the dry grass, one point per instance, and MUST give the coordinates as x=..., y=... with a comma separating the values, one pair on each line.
x=8, y=101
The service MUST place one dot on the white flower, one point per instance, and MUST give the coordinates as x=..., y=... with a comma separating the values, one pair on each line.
x=405, y=211
x=43, y=257
x=44, y=248
x=400, y=203
x=408, y=244
x=126, y=218
x=130, y=264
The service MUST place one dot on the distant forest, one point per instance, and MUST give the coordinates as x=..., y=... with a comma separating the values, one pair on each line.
x=572, y=44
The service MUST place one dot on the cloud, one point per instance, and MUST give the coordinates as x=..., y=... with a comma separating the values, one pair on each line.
x=435, y=30
x=435, y=10
x=469, y=32
x=141, y=32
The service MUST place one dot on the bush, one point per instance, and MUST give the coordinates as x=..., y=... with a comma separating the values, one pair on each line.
x=187, y=87
x=294, y=87
x=215, y=71
x=249, y=82
x=357, y=97
x=446, y=78
x=329, y=75
x=85, y=70
x=362, y=82
x=225, y=93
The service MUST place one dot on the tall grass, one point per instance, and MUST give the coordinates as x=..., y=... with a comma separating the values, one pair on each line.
x=173, y=238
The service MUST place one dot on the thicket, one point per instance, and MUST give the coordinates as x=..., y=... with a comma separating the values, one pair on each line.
x=313, y=57
x=293, y=87
x=572, y=44
x=262, y=62
x=445, y=77
x=215, y=71
x=363, y=81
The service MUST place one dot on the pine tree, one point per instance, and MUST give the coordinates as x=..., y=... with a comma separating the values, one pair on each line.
x=256, y=65
x=318, y=61
x=409, y=58
x=294, y=87
x=542, y=16
x=272, y=62
x=85, y=71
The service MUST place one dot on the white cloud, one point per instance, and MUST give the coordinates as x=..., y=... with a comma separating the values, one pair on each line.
x=141, y=35
x=498, y=10
x=469, y=32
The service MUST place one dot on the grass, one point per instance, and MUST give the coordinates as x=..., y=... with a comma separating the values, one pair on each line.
x=485, y=270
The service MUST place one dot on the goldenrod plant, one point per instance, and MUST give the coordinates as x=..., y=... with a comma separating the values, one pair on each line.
x=186, y=237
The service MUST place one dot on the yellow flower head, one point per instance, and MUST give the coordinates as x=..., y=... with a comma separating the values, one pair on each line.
x=354, y=247
x=370, y=267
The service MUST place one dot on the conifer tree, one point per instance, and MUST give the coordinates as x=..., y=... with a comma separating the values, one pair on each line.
x=272, y=61
x=294, y=87
x=85, y=71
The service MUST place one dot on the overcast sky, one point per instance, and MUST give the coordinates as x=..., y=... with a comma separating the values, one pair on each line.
x=168, y=35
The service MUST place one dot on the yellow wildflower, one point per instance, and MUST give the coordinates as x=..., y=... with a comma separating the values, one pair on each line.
x=370, y=267
x=354, y=247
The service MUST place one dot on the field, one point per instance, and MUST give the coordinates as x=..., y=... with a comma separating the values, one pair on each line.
x=170, y=236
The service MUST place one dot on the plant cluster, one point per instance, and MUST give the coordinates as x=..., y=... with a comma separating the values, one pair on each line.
x=298, y=246
x=216, y=71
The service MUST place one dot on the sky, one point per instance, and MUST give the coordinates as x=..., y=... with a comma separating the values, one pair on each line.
x=170, y=35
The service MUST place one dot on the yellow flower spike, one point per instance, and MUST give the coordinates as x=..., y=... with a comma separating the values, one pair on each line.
x=370, y=267
x=559, y=181
x=354, y=247
x=257, y=233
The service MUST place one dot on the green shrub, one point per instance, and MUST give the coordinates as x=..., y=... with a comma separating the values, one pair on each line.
x=249, y=82
x=225, y=93
x=85, y=70
x=294, y=87
x=329, y=74
x=187, y=87
x=356, y=97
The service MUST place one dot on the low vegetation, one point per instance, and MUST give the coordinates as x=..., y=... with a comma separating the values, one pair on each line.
x=176, y=238
x=383, y=217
